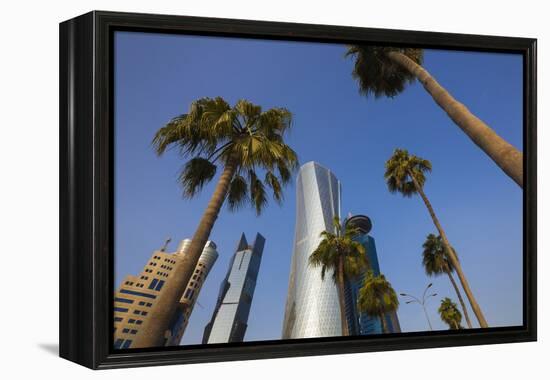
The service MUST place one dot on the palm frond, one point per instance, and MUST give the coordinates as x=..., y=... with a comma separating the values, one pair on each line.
x=248, y=110
x=170, y=134
x=274, y=122
x=355, y=265
x=258, y=194
x=377, y=296
x=434, y=256
x=399, y=169
x=284, y=172
x=273, y=182
x=217, y=114
x=213, y=133
x=327, y=236
x=338, y=247
x=195, y=174
x=237, y=196
x=377, y=74
x=324, y=256
x=450, y=314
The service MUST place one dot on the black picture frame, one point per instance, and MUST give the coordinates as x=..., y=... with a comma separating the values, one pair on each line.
x=86, y=189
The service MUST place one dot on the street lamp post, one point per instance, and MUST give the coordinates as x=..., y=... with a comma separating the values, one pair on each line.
x=421, y=302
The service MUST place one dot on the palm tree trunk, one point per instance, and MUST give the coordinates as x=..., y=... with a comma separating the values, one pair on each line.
x=155, y=325
x=384, y=323
x=450, y=253
x=341, y=297
x=466, y=316
x=506, y=156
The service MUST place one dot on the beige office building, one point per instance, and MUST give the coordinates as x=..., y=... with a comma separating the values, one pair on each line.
x=138, y=294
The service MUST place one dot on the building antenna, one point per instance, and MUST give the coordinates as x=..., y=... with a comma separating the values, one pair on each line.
x=166, y=242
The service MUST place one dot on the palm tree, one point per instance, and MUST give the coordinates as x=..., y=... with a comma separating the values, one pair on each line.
x=449, y=313
x=436, y=262
x=387, y=71
x=406, y=174
x=377, y=298
x=243, y=142
x=345, y=257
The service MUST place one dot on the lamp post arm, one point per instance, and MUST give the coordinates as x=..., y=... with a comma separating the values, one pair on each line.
x=425, y=290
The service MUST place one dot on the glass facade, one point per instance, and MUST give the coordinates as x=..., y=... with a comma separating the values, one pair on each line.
x=362, y=323
x=230, y=318
x=312, y=308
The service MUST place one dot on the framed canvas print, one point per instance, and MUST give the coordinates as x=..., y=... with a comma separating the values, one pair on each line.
x=239, y=190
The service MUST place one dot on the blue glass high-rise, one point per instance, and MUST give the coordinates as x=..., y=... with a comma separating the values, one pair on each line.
x=358, y=322
x=230, y=318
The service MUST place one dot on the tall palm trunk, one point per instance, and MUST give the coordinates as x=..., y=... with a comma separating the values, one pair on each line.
x=341, y=297
x=451, y=255
x=506, y=156
x=162, y=312
x=384, y=323
x=466, y=316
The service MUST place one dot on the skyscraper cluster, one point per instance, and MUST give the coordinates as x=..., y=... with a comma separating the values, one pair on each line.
x=312, y=305
x=137, y=294
x=312, y=308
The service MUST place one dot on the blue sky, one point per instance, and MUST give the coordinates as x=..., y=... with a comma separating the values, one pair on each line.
x=157, y=77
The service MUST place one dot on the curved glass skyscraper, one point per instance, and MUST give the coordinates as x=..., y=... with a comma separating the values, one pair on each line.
x=312, y=308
